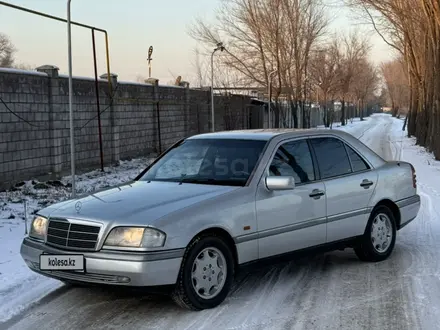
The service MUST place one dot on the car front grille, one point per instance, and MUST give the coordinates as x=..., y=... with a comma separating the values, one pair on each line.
x=73, y=236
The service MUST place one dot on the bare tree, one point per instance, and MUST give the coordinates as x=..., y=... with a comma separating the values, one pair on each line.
x=224, y=76
x=397, y=84
x=140, y=78
x=23, y=66
x=201, y=70
x=306, y=22
x=355, y=48
x=264, y=35
x=412, y=28
x=7, y=51
x=324, y=72
x=365, y=84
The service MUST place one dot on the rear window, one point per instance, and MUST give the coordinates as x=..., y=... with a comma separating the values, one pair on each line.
x=331, y=156
x=357, y=163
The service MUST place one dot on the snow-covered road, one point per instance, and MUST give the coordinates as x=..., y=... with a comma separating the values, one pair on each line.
x=331, y=291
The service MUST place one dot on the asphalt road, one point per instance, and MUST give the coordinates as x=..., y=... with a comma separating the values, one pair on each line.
x=331, y=291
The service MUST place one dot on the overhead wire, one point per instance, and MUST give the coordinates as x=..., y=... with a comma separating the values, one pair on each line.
x=18, y=116
x=2, y=101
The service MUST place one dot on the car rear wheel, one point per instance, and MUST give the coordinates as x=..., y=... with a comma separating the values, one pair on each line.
x=206, y=274
x=379, y=238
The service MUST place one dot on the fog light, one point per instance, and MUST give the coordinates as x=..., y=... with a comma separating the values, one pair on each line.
x=123, y=279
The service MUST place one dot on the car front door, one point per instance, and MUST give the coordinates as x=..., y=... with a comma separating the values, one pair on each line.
x=290, y=220
x=349, y=184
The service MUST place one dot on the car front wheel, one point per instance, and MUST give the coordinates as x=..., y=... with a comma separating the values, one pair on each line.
x=206, y=274
x=379, y=238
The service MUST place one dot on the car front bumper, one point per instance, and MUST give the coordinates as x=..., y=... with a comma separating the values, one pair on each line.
x=110, y=267
x=409, y=208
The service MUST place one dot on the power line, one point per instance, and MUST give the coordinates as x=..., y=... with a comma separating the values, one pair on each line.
x=105, y=109
x=18, y=116
x=46, y=126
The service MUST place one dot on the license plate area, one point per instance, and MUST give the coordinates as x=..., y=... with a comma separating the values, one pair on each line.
x=60, y=262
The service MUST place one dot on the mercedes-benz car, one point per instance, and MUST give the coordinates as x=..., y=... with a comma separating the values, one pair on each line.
x=213, y=203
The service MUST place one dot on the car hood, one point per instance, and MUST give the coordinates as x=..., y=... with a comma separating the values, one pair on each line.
x=138, y=202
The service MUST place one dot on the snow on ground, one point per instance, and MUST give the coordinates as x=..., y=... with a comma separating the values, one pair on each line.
x=20, y=287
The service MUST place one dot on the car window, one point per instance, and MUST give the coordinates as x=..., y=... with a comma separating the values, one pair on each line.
x=293, y=159
x=208, y=161
x=357, y=163
x=188, y=162
x=331, y=156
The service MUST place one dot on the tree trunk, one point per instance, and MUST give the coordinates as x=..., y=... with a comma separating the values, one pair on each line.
x=393, y=109
x=276, y=124
x=421, y=124
x=361, y=110
x=343, y=112
x=429, y=107
x=332, y=114
x=294, y=110
x=414, y=96
x=436, y=97
x=326, y=119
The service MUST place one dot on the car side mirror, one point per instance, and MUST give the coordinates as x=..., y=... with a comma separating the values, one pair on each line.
x=280, y=182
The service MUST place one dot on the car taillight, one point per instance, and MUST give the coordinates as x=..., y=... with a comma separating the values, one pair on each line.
x=414, y=180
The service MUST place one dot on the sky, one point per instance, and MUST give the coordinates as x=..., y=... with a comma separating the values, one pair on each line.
x=132, y=25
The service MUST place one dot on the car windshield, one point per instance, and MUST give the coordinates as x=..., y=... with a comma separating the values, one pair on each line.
x=226, y=162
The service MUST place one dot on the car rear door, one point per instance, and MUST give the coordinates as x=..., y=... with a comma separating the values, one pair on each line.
x=291, y=219
x=349, y=184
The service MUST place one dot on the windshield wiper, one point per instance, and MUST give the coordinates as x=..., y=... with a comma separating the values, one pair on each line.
x=182, y=177
x=211, y=181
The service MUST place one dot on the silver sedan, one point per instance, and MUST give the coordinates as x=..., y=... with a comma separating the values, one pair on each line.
x=216, y=202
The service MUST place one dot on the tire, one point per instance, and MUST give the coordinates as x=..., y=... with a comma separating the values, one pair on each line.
x=380, y=224
x=185, y=294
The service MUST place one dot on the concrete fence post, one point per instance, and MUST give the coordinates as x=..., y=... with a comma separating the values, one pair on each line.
x=156, y=112
x=114, y=127
x=55, y=126
x=188, y=115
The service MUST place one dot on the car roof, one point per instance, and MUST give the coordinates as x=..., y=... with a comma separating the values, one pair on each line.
x=264, y=134
x=278, y=134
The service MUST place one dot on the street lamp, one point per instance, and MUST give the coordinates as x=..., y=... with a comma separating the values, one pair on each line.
x=221, y=48
x=72, y=141
x=150, y=52
x=270, y=97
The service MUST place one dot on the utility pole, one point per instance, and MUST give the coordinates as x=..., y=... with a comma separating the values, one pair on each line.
x=221, y=48
x=269, y=106
x=72, y=129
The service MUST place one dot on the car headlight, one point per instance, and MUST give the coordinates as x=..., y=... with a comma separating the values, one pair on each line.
x=38, y=227
x=136, y=237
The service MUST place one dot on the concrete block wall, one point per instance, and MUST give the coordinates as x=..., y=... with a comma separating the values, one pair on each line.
x=25, y=144
x=87, y=151
x=136, y=120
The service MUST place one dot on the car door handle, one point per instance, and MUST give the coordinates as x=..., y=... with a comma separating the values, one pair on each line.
x=366, y=183
x=316, y=193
